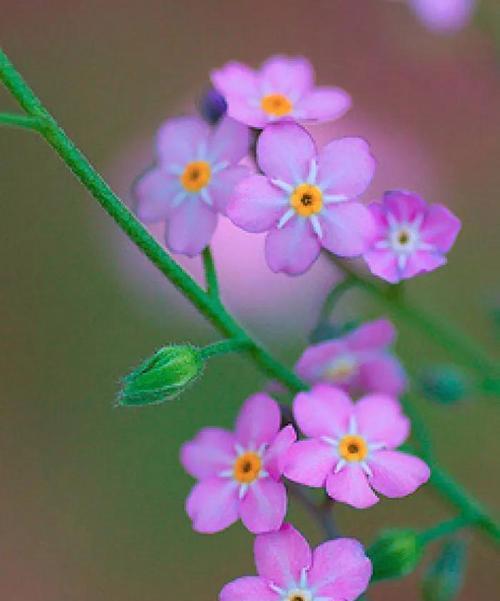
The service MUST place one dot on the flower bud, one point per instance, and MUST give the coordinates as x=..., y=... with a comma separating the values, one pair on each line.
x=161, y=377
x=395, y=553
x=443, y=384
x=212, y=106
x=444, y=578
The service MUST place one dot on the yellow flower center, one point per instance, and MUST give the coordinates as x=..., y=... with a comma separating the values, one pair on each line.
x=403, y=237
x=299, y=595
x=353, y=448
x=341, y=369
x=196, y=176
x=247, y=467
x=307, y=200
x=276, y=105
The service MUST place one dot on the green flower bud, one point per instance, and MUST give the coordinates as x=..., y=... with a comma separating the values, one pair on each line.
x=395, y=553
x=443, y=384
x=444, y=578
x=161, y=377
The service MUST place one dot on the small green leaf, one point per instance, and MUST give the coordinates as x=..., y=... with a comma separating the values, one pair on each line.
x=444, y=578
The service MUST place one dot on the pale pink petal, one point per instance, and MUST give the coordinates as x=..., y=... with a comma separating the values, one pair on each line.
x=383, y=373
x=248, y=588
x=293, y=248
x=179, y=139
x=247, y=110
x=340, y=570
x=422, y=261
x=235, y=78
x=256, y=204
x=275, y=456
x=440, y=227
x=350, y=485
x=323, y=104
x=229, y=141
x=212, y=504
x=384, y=264
x=324, y=411
x=190, y=227
x=154, y=192
x=348, y=229
x=281, y=556
x=284, y=152
x=258, y=421
x=222, y=186
x=209, y=453
x=372, y=335
x=346, y=167
x=316, y=358
x=264, y=506
x=309, y=462
x=397, y=474
x=404, y=206
x=292, y=76
x=380, y=420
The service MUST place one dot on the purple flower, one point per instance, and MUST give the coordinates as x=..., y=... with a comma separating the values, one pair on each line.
x=358, y=361
x=239, y=472
x=304, y=199
x=282, y=89
x=193, y=180
x=412, y=236
x=444, y=15
x=351, y=447
x=288, y=570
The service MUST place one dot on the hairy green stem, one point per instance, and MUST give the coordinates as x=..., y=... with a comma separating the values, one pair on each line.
x=210, y=274
x=223, y=347
x=21, y=121
x=444, y=529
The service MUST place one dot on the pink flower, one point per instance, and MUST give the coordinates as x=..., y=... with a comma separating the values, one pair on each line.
x=282, y=89
x=193, y=180
x=358, y=361
x=351, y=447
x=239, y=473
x=304, y=199
x=412, y=236
x=444, y=15
x=288, y=570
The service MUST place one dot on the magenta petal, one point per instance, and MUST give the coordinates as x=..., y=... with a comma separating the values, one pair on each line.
x=440, y=227
x=256, y=204
x=292, y=76
x=155, y=191
x=211, y=452
x=258, y=421
x=384, y=264
x=190, y=227
x=350, y=485
x=281, y=556
x=404, y=206
x=275, y=456
x=293, y=248
x=323, y=104
x=422, y=261
x=383, y=373
x=223, y=185
x=264, y=506
x=235, y=78
x=340, y=570
x=309, y=462
x=371, y=335
x=229, y=141
x=348, y=229
x=284, y=152
x=380, y=420
x=248, y=588
x=212, y=504
x=324, y=411
x=397, y=474
x=178, y=140
x=346, y=167
x=316, y=358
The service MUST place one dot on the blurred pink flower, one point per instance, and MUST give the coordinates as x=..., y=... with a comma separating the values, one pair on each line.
x=412, y=236
x=239, y=473
x=444, y=15
x=351, y=447
x=289, y=570
x=282, y=89
x=360, y=361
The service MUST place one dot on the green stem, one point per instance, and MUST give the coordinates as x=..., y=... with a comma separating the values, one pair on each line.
x=334, y=296
x=444, y=529
x=223, y=347
x=210, y=273
x=21, y=121
x=223, y=321
x=418, y=428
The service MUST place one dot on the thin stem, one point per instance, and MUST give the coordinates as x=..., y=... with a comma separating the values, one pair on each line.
x=334, y=296
x=210, y=273
x=22, y=121
x=322, y=514
x=419, y=429
x=223, y=347
x=444, y=529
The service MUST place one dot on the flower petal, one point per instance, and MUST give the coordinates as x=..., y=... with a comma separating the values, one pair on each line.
x=380, y=420
x=292, y=76
x=223, y=185
x=404, y=206
x=350, y=485
x=323, y=104
x=258, y=421
x=384, y=264
x=248, y=588
x=316, y=358
x=309, y=462
x=275, y=456
x=324, y=411
x=281, y=556
x=235, y=78
x=340, y=570
x=397, y=474
x=284, y=152
x=383, y=373
x=212, y=504
x=179, y=139
x=348, y=229
x=293, y=248
x=190, y=227
x=229, y=141
x=440, y=227
x=371, y=335
x=264, y=506
x=346, y=167
x=422, y=261
x=209, y=453
x=154, y=192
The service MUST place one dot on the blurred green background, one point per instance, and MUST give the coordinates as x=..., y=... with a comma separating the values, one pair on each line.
x=92, y=496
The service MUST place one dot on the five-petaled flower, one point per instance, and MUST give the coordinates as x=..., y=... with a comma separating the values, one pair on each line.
x=412, y=236
x=288, y=570
x=195, y=176
x=305, y=198
x=351, y=447
x=360, y=361
x=282, y=89
x=239, y=472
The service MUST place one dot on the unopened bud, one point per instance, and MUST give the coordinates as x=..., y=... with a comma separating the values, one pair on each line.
x=395, y=553
x=443, y=384
x=161, y=377
x=212, y=106
x=444, y=578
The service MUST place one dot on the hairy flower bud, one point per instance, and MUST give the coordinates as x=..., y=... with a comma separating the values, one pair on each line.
x=443, y=384
x=444, y=578
x=212, y=106
x=395, y=553
x=161, y=377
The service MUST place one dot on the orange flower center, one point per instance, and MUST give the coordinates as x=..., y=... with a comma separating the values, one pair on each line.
x=196, y=176
x=353, y=448
x=276, y=105
x=307, y=200
x=247, y=467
